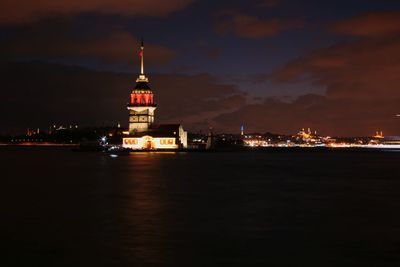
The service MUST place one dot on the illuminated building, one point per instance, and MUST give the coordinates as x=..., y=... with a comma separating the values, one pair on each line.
x=30, y=132
x=306, y=135
x=378, y=135
x=143, y=133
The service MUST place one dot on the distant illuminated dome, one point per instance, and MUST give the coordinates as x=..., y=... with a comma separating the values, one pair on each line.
x=379, y=135
x=141, y=106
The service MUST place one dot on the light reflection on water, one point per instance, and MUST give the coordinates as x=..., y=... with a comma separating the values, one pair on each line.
x=143, y=213
x=199, y=209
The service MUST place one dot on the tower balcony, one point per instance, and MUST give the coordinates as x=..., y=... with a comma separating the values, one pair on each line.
x=141, y=105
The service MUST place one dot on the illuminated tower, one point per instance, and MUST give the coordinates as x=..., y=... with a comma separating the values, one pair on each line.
x=141, y=106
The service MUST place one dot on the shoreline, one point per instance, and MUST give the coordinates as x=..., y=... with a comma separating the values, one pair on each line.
x=76, y=147
x=40, y=145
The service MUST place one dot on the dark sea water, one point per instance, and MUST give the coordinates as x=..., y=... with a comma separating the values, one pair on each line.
x=270, y=208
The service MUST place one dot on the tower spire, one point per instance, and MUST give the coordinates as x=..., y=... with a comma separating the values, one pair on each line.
x=142, y=77
x=142, y=58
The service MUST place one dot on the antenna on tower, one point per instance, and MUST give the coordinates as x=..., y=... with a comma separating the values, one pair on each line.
x=142, y=77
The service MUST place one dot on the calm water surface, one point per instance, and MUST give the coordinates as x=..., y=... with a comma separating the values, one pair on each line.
x=277, y=208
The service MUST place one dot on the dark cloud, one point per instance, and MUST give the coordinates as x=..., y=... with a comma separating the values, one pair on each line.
x=373, y=24
x=25, y=11
x=38, y=95
x=341, y=117
x=248, y=26
x=362, y=89
x=115, y=47
x=195, y=100
x=363, y=69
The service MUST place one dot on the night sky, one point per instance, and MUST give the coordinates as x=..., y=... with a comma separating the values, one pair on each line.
x=271, y=65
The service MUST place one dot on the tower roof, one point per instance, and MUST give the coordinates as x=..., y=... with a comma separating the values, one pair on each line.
x=142, y=85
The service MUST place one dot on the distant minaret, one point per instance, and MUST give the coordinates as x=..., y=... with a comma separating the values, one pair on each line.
x=210, y=139
x=141, y=106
